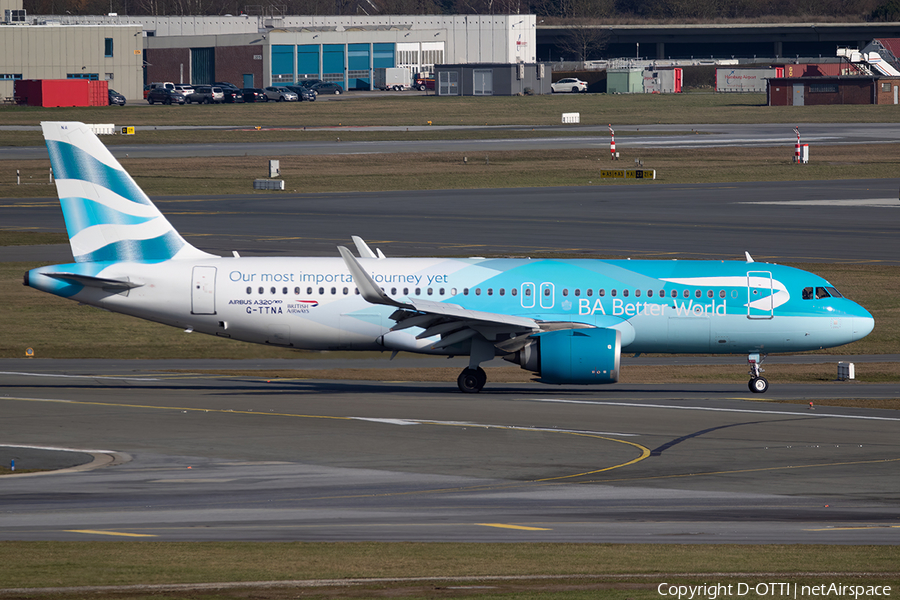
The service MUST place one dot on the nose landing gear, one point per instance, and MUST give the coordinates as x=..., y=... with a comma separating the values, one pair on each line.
x=757, y=383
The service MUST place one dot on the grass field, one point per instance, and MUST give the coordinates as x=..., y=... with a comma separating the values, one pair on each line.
x=548, y=571
x=359, y=108
x=495, y=169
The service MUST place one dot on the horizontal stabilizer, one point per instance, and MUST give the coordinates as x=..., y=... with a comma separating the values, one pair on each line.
x=97, y=282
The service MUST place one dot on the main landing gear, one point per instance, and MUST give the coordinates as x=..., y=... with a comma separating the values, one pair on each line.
x=757, y=384
x=471, y=381
x=473, y=378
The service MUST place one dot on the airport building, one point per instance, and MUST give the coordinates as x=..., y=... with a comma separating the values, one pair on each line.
x=253, y=51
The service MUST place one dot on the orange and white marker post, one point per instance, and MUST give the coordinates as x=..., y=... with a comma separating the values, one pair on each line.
x=797, y=146
x=612, y=143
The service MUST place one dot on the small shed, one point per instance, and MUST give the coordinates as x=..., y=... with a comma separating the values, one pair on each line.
x=626, y=80
x=491, y=79
x=811, y=91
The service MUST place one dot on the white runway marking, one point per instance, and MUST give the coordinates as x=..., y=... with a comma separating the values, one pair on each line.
x=488, y=426
x=713, y=409
x=78, y=376
x=879, y=202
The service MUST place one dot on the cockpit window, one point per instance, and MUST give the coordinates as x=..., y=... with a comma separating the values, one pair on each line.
x=822, y=293
x=807, y=293
x=834, y=292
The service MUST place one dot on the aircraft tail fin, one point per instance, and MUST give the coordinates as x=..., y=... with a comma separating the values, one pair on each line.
x=108, y=217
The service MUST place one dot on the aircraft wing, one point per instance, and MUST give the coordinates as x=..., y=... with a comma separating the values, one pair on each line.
x=452, y=322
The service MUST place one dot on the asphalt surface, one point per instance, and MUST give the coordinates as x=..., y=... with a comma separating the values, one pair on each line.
x=850, y=221
x=629, y=136
x=211, y=458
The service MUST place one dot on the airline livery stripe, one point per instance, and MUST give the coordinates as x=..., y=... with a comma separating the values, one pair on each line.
x=70, y=162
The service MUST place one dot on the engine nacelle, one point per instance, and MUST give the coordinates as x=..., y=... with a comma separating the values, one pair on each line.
x=582, y=356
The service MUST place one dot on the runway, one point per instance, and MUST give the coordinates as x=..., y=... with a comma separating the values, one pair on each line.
x=629, y=136
x=845, y=221
x=215, y=458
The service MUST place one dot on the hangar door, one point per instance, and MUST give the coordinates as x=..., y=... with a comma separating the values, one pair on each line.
x=203, y=65
x=483, y=82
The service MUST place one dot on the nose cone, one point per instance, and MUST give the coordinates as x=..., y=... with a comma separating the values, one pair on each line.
x=863, y=323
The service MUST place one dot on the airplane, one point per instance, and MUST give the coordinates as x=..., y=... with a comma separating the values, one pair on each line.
x=567, y=321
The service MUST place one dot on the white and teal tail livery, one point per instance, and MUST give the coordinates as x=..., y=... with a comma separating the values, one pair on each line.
x=108, y=217
x=567, y=321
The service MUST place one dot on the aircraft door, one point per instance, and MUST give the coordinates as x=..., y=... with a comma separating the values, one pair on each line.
x=548, y=295
x=760, y=295
x=203, y=291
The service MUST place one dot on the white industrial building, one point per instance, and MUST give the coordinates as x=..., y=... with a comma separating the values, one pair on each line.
x=251, y=51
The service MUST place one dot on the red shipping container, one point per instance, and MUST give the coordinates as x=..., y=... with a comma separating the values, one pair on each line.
x=820, y=70
x=53, y=92
x=98, y=93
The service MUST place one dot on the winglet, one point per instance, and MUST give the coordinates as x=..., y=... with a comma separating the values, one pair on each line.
x=749, y=258
x=368, y=289
x=362, y=247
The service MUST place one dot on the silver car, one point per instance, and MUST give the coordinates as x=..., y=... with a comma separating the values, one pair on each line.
x=281, y=94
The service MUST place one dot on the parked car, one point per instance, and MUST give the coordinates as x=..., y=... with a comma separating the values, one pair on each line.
x=281, y=94
x=569, y=84
x=308, y=83
x=165, y=96
x=225, y=84
x=185, y=89
x=231, y=95
x=303, y=93
x=424, y=81
x=206, y=94
x=328, y=87
x=254, y=95
x=115, y=97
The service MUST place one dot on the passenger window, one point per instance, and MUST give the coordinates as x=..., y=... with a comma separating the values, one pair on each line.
x=262, y=290
x=477, y=291
x=502, y=291
x=356, y=291
x=452, y=291
x=613, y=293
x=565, y=291
x=709, y=294
x=649, y=293
x=284, y=290
x=465, y=291
x=527, y=291
x=625, y=293
x=662, y=293
x=418, y=291
x=249, y=290
x=406, y=291
x=590, y=292
x=821, y=293
x=333, y=291
x=687, y=293
x=721, y=293
x=441, y=291
x=546, y=291
x=296, y=291
x=514, y=292
x=430, y=291
x=309, y=291
x=698, y=294
x=393, y=291
x=674, y=293
x=490, y=291
x=637, y=293
x=321, y=291
x=346, y=291
x=601, y=292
